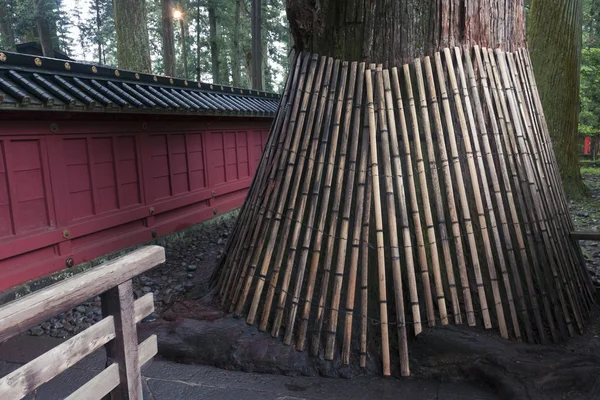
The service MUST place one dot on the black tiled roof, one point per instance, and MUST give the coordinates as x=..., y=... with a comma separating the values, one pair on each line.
x=29, y=82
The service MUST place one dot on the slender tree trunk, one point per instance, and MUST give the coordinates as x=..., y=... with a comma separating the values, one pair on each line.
x=554, y=35
x=198, y=68
x=133, y=48
x=43, y=28
x=168, y=40
x=235, y=59
x=6, y=29
x=214, y=47
x=248, y=58
x=99, y=38
x=393, y=32
x=257, y=53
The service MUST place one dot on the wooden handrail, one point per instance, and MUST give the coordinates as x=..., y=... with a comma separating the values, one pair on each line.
x=116, y=331
x=20, y=315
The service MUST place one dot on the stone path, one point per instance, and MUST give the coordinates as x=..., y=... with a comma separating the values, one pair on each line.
x=163, y=380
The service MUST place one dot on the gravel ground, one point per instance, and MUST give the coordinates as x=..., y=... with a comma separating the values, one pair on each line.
x=191, y=260
x=185, y=274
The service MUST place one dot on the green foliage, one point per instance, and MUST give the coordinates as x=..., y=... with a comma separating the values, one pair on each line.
x=589, y=115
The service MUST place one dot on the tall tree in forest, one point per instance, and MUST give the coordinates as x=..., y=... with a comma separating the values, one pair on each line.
x=7, y=35
x=257, y=51
x=133, y=49
x=554, y=36
x=393, y=32
x=236, y=73
x=40, y=10
x=213, y=38
x=168, y=40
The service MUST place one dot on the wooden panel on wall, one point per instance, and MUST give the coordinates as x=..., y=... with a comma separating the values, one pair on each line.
x=6, y=223
x=81, y=199
x=196, y=160
x=128, y=174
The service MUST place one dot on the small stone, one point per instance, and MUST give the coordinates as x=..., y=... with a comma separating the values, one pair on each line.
x=46, y=326
x=169, y=315
x=68, y=327
x=582, y=214
x=138, y=293
x=168, y=298
x=189, y=285
x=62, y=334
x=220, y=241
x=168, y=291
x=37, y=331
x=190, y=276
x=57, y=325
x=192, y=267
x=183, y=263
x=179, y=288
x=146, y=289
x=53, y=320
x=84, y=325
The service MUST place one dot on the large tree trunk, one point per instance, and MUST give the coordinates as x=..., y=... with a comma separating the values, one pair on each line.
x=236, y=74
x=554, y=35
x=393, y=32
x=168, y=41
x=257, y=53
x=133, y=49
x=6, y=29
x=43, y=28
x=214, y=47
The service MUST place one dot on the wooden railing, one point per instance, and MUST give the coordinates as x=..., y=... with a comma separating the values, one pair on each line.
x=116, y=331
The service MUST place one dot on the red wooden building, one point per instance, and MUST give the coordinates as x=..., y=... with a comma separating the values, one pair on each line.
x=94, y=159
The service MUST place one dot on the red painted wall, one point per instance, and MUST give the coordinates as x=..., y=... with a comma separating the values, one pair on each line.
x=82, y=187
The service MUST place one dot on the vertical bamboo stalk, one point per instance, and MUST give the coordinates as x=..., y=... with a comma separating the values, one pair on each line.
x=524, y=196
x=385, y=346
x=304, y=170
x=320, y=140
x=462, y=193
x=348, y=189
x=358, y=214
x=320, y=226
x=426, y=203
x=472, y=146
x=448, y=184
x=536, y=197
x=386, y=158
x=412, y=285
x=285, y=190
x=506, y=188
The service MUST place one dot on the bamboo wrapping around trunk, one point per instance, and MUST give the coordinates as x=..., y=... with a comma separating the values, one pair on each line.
x=335, y=204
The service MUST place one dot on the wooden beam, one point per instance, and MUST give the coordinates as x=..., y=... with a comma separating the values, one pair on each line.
x=103, y=383
x=123, y=350
x=22, y=314
x=595, y=236
x=24, y=380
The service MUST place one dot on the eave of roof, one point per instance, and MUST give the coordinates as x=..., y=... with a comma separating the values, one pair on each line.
x=38, y=83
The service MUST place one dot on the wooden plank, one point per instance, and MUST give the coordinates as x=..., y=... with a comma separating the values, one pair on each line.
x=100, y=385
x=24, y=380
x=28, y=311
x=143, y=307
x=123, y=350
x=594, y=236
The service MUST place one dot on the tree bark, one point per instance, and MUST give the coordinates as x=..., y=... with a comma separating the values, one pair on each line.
x=214, y=47
x=394, y=32
x=168, y=40
x=43, y=28
x=554, y=34
x=98, y=30
x=257, y=53
x=6, y=29
x=236, y=74
x=133, y=49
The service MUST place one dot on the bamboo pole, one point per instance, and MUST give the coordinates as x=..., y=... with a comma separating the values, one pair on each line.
x=334, y=214
x=304, y=170
x=425, y=201
x=528, y=170
x=320, y=226
x=385, y=346
x=472, y=145
x=348, y=190
x=462, y=193
x=386, y=158
x=524, y=197
x=412, y=284
x=364, y=245
x=449, y=191
x=505, y=187
x=296, y=157
x=358, y=213
x=320, y=139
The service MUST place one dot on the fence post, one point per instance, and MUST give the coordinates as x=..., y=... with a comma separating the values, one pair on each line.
x=123, y=349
